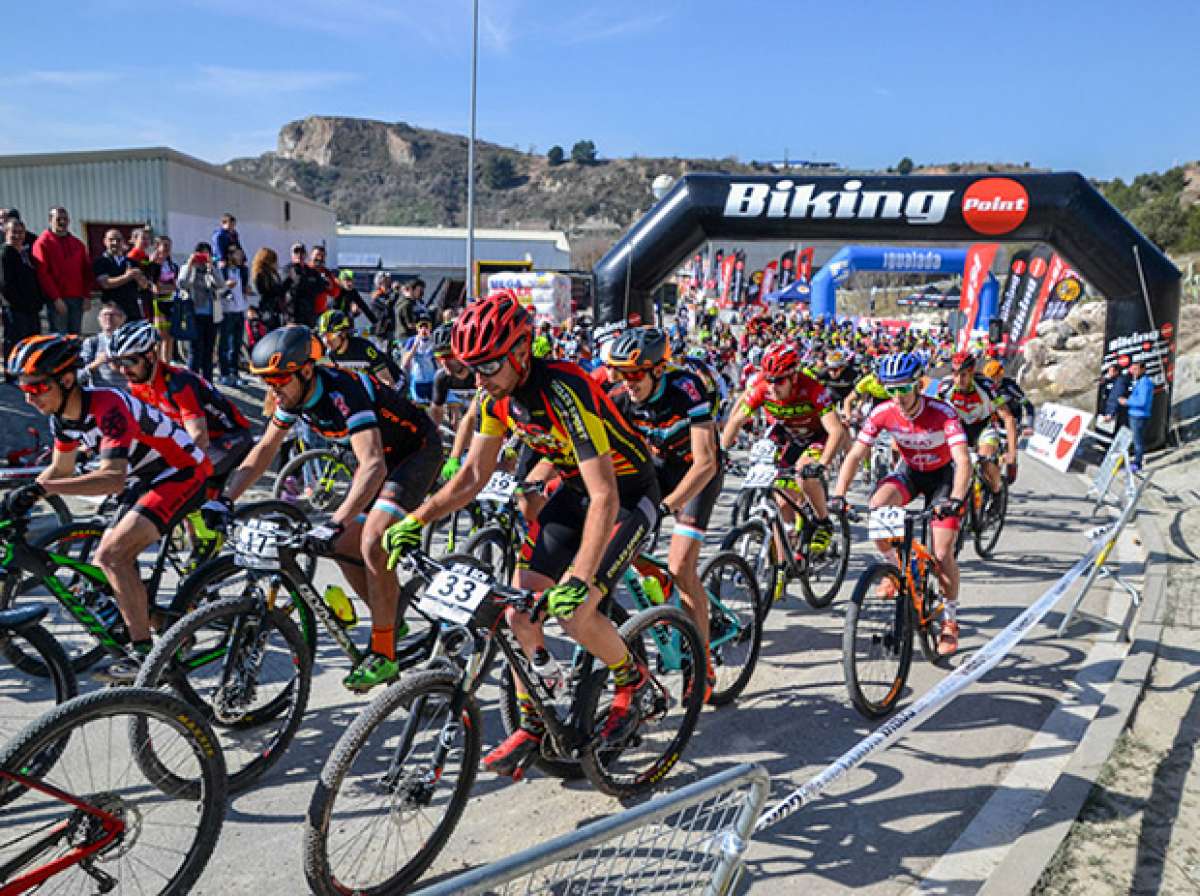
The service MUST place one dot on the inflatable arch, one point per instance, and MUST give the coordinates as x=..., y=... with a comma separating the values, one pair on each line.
x=1062, y=209
x=896, y=259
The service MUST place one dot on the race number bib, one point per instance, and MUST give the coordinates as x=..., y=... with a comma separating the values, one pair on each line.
x=886, y=523
x=762, y=452
x=454, y=594
x=499, y=488
x=760, y=476
x=256, y=544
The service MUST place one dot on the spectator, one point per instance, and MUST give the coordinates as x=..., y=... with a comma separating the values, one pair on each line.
x=6, y=214
x=383, y=304
x=1140, y=405
x=64, y=273
x=329, y=286
x=232, y=269
x=164, y=277
x=408, y=308
x=1118, y=392
x=118, y=277
x=96, y=351
x=418, y=362
x=226, y=236
x=303, y=285
x=141, y=244
x=21, y=297
x=350, y=301
x=201, y=290
x=272, y=295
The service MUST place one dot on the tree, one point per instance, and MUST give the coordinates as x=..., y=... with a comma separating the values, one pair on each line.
x=556, y=155
x=583, y=152
x=905, y=166
x=499, y=172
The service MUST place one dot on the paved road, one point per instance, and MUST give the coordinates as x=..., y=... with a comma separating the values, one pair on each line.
x=880, y=831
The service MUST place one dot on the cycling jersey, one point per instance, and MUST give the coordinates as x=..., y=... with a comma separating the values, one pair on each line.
x=802, y=417
x=713, y=382
x=870, y=387
x=183, y=395
x=665, y=419
x=450, y=388
x=924, y=441
x=344, y=403
x=563, y=415
x=361, y=354
x=842, y=384
x=975, y=406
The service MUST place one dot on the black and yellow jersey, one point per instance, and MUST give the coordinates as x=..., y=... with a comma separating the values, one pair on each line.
x=562, y=414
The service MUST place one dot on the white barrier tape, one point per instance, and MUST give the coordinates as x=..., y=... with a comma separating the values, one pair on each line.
x=933, y=700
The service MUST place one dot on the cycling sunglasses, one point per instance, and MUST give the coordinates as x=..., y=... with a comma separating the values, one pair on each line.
x=125, y=363
x=630, y=376
x=900, y=388
x=41, y=387
x=278, y=380
x=777, y=380
x=487, y=368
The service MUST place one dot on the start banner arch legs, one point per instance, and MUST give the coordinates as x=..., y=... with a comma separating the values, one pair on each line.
x=1061, y=209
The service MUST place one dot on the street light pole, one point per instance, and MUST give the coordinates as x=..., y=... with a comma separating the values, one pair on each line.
x=470, y=291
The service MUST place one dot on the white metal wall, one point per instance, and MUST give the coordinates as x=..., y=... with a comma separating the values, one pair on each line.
x=123, y=190
x=196, y=199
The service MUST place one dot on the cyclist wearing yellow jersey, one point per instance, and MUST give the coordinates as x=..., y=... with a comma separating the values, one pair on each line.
x=589, y=529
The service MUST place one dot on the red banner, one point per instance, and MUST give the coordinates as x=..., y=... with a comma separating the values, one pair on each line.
x=768, y=280
x=975, y=271
x=804, y=263
x=726, y=275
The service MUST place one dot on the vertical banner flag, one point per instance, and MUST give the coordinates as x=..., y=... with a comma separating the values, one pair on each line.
x=697, y=272
x=768, y=280
x=1065, y=294
x=737, y=292
x=804, y=263
x=975, y=270
x=712, y=281
x=726, y=277
x=1056, y=271
x=1016, y=273
x=787, y=268
x=1031, y=287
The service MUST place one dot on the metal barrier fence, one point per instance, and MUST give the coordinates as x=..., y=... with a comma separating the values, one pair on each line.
x=690, y=841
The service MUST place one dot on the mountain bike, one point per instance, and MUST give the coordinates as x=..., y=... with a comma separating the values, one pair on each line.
x=889, y=604
x=986, y=512
x=243, y=656
x=22, y=697
x=53, y=572
x=316, y=480
x=401, y=774
x=760, y=537
x=92, y=818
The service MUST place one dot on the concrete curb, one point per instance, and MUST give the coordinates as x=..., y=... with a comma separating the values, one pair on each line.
x=1033, y=851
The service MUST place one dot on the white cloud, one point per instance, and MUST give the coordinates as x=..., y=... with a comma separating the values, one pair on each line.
x=70, y=80
x=245, y=82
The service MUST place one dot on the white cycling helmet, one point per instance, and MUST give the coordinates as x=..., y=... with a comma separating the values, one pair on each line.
x=135, y=338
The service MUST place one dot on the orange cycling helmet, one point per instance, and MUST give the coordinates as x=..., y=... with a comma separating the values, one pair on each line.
x=488, y=328
x=781, y=361
x=47, y=356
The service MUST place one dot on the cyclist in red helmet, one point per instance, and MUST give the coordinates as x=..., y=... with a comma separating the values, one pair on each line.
x=803, y=421
x=589, y=528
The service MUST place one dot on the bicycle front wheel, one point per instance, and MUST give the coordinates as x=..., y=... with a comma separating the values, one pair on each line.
x=316, y=482
x=490, y=545
x=664, y=639
x=991, y=520
x=165, y=837
x=734, y=623
x=247, y=669
x=877, y=641
x=393, y=789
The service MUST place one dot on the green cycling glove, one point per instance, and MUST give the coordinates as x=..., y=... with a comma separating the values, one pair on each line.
x=563, y=599
x=450, y=467
x=402, y=537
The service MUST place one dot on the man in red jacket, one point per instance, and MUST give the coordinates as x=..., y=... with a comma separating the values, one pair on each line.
x=64, y=273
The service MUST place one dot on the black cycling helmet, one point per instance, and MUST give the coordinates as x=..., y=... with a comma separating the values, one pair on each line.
x=285, y=350
x=48, y=356
x=441, y=341
x=334, y=321
x=640, y=348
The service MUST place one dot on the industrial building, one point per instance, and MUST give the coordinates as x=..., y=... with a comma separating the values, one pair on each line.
x=174, y=193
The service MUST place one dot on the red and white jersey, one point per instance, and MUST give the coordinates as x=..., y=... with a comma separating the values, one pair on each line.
x=802, y=416
x=924, y=441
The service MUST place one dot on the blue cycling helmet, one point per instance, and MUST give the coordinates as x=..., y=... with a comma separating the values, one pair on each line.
x=903, y=367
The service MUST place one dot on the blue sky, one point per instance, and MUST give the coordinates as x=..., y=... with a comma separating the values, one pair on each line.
x=1101, y=87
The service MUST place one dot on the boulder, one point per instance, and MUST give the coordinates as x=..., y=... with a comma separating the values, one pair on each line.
x=1088, y=317
x=1037, y=353
x=1084, y=343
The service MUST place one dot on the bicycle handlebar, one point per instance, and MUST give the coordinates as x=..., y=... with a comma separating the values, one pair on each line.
x=523, y=599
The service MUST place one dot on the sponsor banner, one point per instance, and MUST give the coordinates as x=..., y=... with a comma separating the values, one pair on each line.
x=787, y=268
x=737, y=290
x=769, y=274
x=1153, y=348
x=908, y=718
x=1057, y=432
x=1031, y=286
x=804, y=264
x=725, y=273
x=712, y=277
x=1063, y=296
x=976, y=267
x=1056, y=271
x=1016, y=272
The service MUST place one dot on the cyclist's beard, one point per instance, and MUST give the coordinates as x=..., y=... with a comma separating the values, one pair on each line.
x=304, y=396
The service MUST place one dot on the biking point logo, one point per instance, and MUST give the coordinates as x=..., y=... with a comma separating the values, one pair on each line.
x=995, y=205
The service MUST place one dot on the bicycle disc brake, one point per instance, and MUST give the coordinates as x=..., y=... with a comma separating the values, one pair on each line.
x=238, y=690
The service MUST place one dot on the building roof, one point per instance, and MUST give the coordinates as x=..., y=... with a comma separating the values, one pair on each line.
x=152, y=153
x=557, y=237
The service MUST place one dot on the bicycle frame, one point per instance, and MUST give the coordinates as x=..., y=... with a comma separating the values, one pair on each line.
x=644, y=564
x=112, y=826
x=916, y=563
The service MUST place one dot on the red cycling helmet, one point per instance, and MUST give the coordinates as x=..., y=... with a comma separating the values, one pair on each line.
x=962, y=361
x=488, y=328
x=781, y=361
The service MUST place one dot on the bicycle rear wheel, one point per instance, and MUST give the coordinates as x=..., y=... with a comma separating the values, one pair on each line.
x=316, y=482
x=932, y=611
x=664, y=639
x=991, y=520
x=166, y=837
x=393, y=789
x=877, y=642
x=734, y=623
x=490, y=545
x=247, y=669
x=753, y=541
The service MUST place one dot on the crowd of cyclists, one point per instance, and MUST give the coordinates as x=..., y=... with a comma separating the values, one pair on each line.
x=613, y=430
